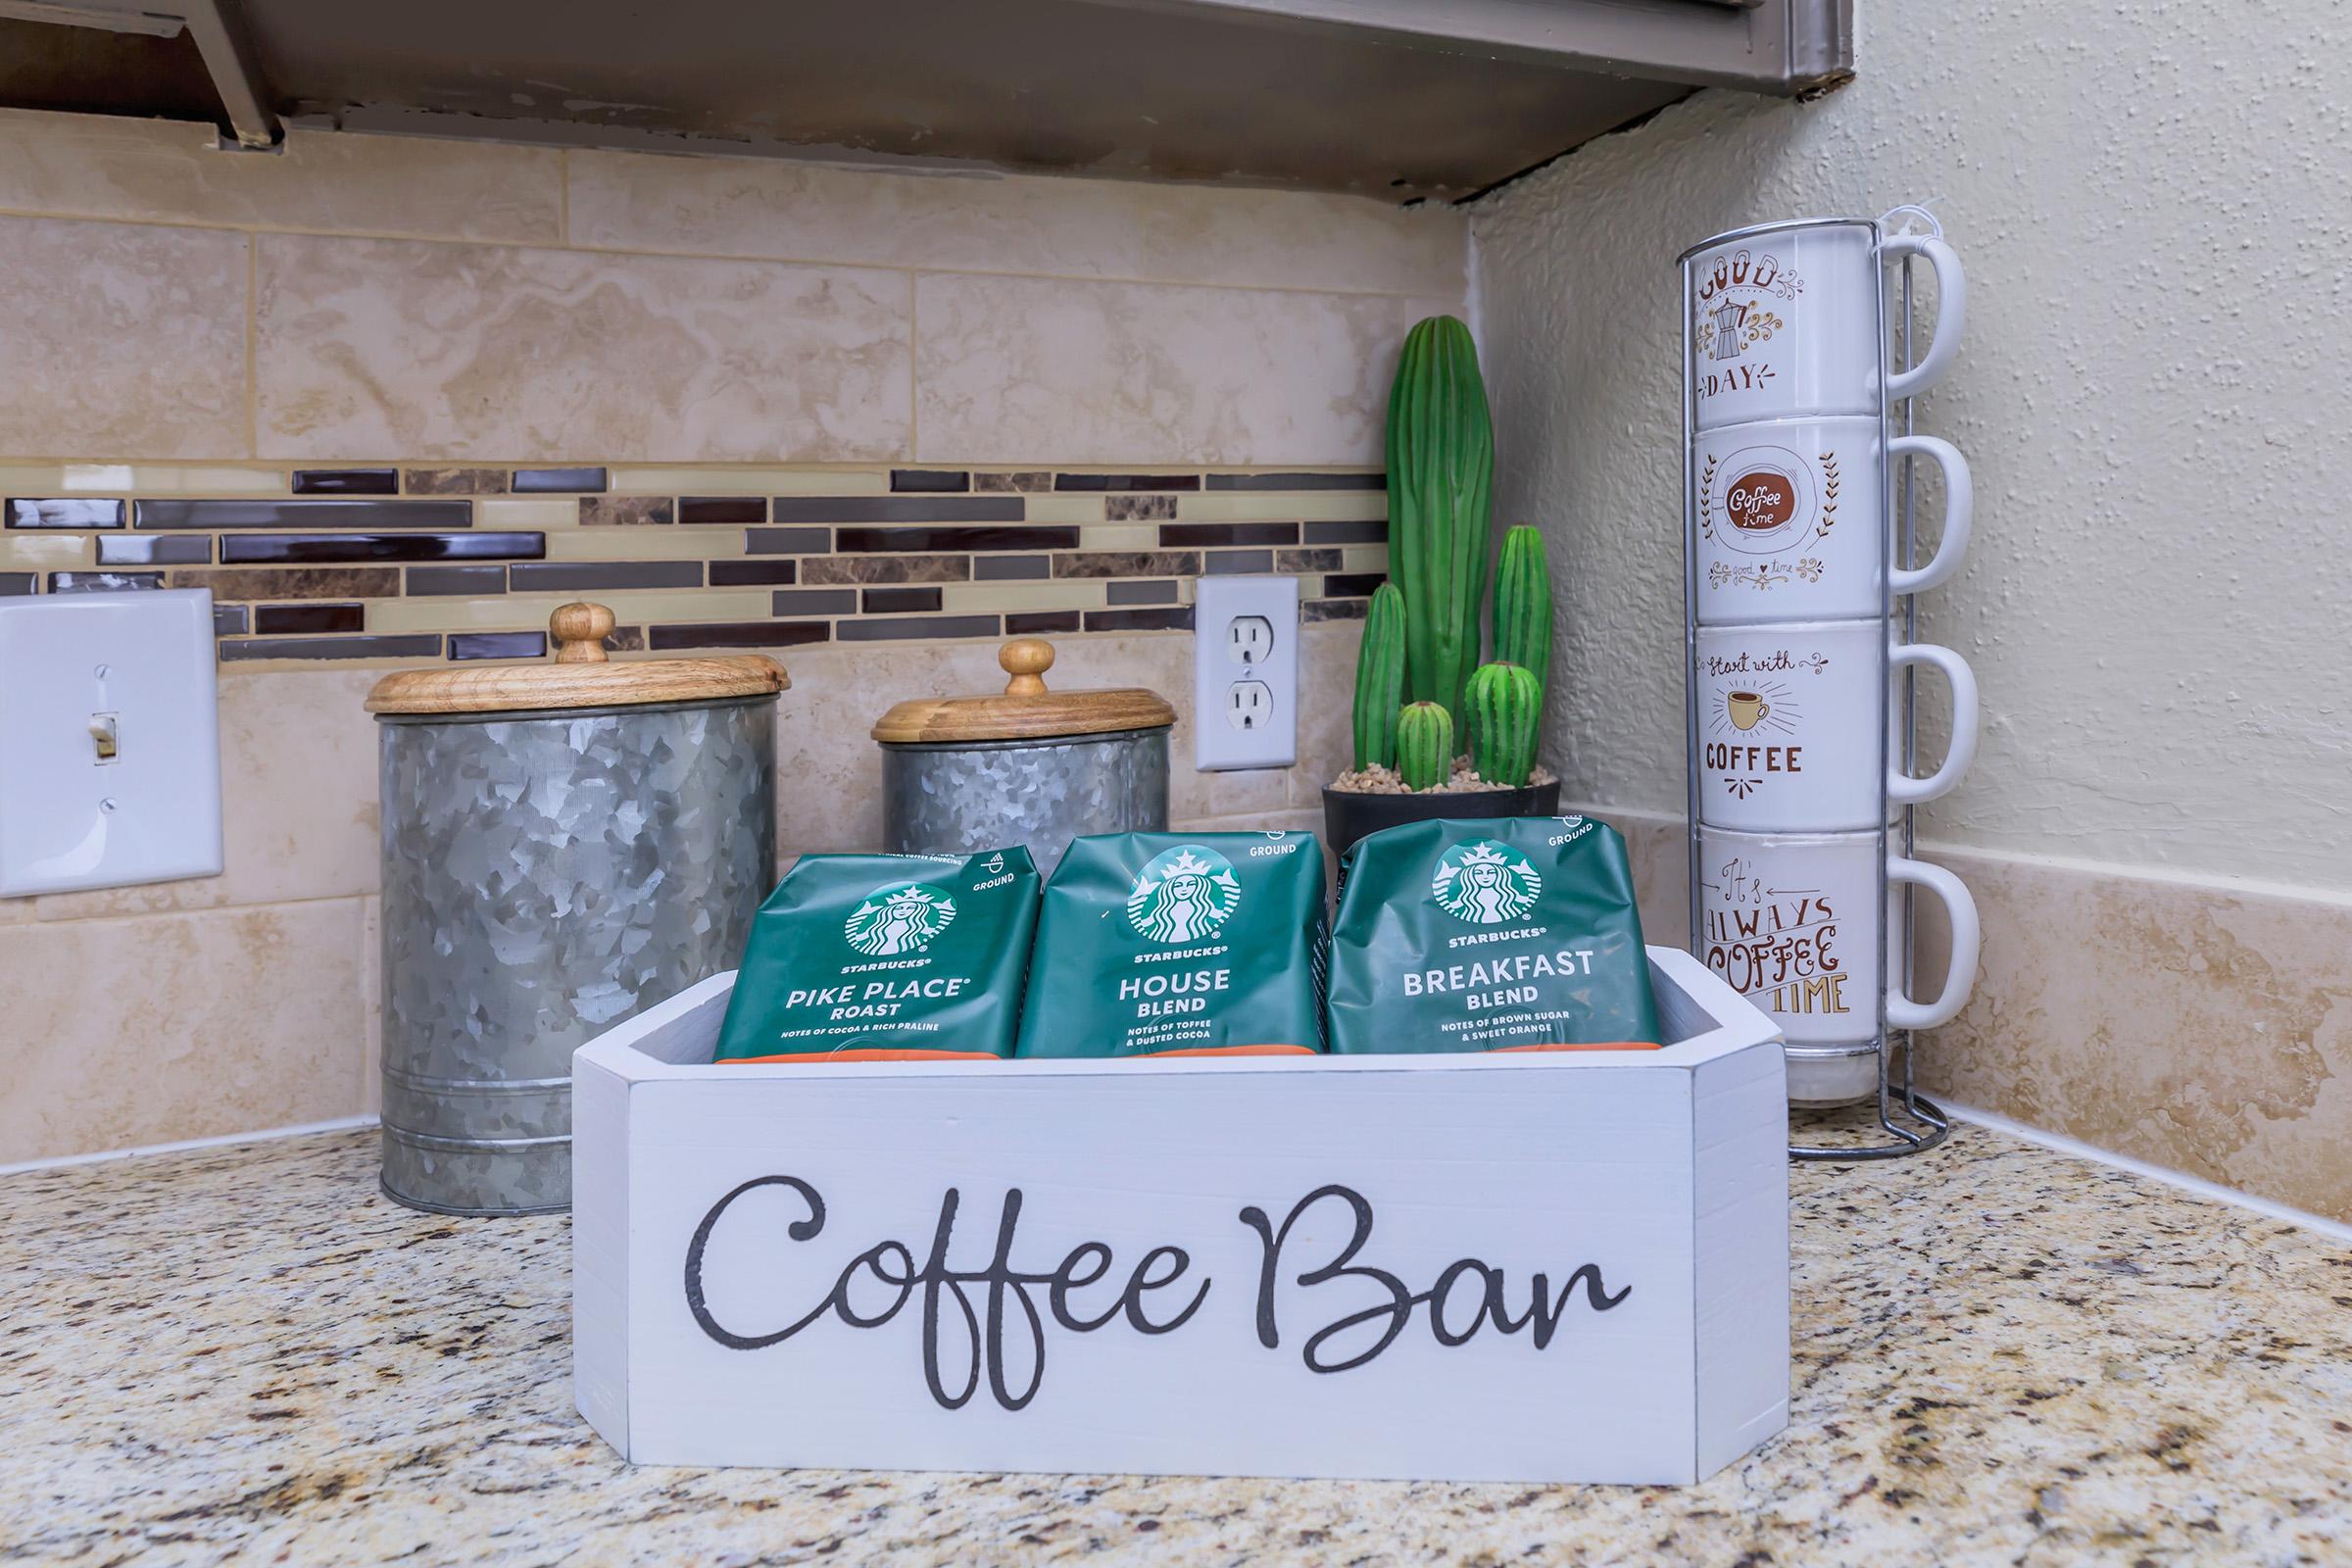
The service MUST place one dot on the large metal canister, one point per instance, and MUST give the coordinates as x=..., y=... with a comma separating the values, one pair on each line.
x=1027, y=765
x=564, y=843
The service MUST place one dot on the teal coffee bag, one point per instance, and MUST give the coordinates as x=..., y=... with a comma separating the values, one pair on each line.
x=1502, y=934
x=1180, y=945
x=881, y=958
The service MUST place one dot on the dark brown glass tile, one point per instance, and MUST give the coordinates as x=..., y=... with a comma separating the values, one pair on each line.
x=625, y=511
x=1011, y=569
x=228, y=620
x=1316, y=610
x=1160, y=591
x=1352, y=584
x=886, y=568
x=917, y=628
x=1128, y=563
x=753, y=574
x=102, y=582
x=410, y=644
x=309, y=619
x=1176, y=618
x=1028, y=480
x=293, y=582
x=787, y=541
x=896, y=508
x=740, y=634
x=499, y=645
x=253, y=548
x=1139, y=509
x=928, y=481
x=15, y=584
x=813, y=601
x=573, y=576
x=723, y=508
x=1229, y=562
x=320, y=513
x=536, y=481
x=1040, y=622
x=170, y=550
x=444, y=581
x=899, y=601
x=64, y=513
x=453, y=482
x=1374, y=531
x=1126, y=481
x=1198, y=535
x=1297, y=482
x=347, y=481
x=1295, y=562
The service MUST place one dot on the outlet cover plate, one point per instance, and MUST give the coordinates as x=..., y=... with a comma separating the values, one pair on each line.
x=1244, y=672
x=88, y=675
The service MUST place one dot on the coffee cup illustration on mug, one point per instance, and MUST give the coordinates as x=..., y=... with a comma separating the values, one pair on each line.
x=1746, y=710
x=1783, y=521
x=1785, y=321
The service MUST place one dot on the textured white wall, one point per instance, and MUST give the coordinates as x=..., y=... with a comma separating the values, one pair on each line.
x=2155, y=208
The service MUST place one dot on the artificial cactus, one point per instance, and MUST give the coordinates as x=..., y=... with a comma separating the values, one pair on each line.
x=1441, y=464
x=1424, y=746
x=1380, y=679
x=1505, y=701
x=1523, y=605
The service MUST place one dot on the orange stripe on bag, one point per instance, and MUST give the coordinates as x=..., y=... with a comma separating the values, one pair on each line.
x=868, y=1054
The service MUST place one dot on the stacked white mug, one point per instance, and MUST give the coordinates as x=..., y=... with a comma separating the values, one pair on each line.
x=1795, y=749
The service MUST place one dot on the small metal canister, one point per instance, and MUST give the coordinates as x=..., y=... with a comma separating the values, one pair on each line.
x=564, y=843
x=1026, y=766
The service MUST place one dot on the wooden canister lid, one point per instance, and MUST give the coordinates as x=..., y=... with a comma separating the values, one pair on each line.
x=1025, y=709
x=578, y=676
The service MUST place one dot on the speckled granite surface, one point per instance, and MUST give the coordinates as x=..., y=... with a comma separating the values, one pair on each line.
x=2002, y=1355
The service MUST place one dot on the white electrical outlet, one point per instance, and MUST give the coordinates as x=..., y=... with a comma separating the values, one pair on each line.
x=1246, y=670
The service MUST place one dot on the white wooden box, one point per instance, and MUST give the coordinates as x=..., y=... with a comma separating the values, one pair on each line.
x=1241, y=1324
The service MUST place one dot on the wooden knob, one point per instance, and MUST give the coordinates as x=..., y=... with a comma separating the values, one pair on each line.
x=579, y=630
x=1026, y=660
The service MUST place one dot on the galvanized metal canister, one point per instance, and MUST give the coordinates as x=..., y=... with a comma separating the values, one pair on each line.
x=549, y=871
x=1026, y=766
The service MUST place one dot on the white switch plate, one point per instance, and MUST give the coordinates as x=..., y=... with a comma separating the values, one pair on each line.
x=1244, y=672
x=135, y=668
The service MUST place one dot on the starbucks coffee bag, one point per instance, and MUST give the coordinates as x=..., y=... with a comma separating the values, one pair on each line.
x=880, y=957
x=1502, y=934
x=1180, y=945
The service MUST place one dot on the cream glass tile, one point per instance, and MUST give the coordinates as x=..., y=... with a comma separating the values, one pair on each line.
x=1078, y=508
x=39, y=550
x=105, y=166
x=1310, y=506
x=673, y=480
x=1119, y=536
x=1046, y=372
x=1016, y=223
x=530, y=513
x=172, y=1026
x=172, y=479
x=122, y=338
x=1364, y=557
x=633, y=607
x=654, y=541
x=1067, y=593
x=465, y=352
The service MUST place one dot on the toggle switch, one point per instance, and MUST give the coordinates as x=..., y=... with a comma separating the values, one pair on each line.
x=106, y=736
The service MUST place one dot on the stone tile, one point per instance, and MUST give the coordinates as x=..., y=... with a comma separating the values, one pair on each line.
x=453, y=482
x=293, y=582
x=1139, y=509
x=1128, y=563
x=1062, y=228
x=172, y=1026
x=1025, y=480
x=446, y=351
x=125, y=339
x=1106, y=372
x=623, y=511
x=885, y=568
x=106, y=166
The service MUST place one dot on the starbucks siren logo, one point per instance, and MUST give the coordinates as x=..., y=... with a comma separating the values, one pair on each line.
x=1183, y=894
x=901, y=920
x=1485, y=883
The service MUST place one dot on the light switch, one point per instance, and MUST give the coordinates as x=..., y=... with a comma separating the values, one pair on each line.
x=110, y=740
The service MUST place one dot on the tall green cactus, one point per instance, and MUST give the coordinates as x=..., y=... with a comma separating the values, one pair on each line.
x=1380, y=679
x=1505, y=705
x=1523, y=605
x=1440, y=466
x=1424, y=746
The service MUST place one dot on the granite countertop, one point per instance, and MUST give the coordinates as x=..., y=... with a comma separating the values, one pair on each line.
x=2002, y=1355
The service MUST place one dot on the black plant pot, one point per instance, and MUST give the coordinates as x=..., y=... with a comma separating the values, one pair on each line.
x=1350, y=814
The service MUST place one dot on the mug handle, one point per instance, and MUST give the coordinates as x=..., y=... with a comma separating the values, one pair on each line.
x=1959, y=512
x=1951, y=312
x=1901, y=1012
x=1902, y=788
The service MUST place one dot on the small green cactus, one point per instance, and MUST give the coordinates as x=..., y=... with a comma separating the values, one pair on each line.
x=1380, y=679
x=1441, y=446
x=1523, y=604
x=1506, y=702
x=1424, y=746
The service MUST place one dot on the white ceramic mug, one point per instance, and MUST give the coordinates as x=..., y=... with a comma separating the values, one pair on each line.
x=1788, y=737
x=1787, y=519
x=1791, y=922
x=1785, y=321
